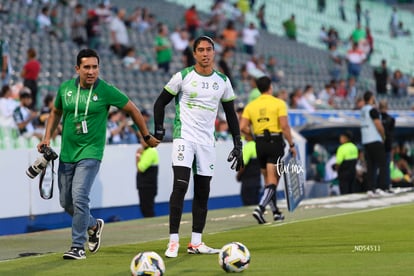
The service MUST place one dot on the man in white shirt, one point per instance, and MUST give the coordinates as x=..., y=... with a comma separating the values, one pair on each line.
x=249, y=37
x=119, y=40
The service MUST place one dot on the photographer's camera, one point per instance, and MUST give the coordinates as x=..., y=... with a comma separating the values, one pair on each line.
x=41, y=162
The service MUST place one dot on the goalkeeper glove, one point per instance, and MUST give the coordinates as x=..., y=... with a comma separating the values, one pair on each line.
x=236, y=155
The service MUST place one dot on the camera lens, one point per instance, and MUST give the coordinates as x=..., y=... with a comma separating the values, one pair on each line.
x=31, y=172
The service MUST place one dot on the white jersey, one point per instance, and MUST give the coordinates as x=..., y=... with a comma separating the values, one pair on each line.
x=197, y=99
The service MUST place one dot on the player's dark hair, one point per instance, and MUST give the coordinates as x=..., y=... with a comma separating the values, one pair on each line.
x=202, y=38
x=86, y=53
x=263, y=83
x=367, y=96
x=4, y=90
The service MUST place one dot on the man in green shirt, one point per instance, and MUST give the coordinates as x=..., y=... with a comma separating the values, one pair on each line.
x=346, y=159
x=83, y=103
x=290, y=27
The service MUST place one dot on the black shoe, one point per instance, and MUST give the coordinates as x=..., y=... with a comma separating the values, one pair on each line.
x=258, y=215
x=94, y=241
x=278, y=216
x=75, y=253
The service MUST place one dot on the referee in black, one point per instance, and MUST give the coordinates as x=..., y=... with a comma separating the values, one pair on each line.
x=268, y=117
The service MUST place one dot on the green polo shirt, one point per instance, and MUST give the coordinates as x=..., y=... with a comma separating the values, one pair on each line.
x=78, y=146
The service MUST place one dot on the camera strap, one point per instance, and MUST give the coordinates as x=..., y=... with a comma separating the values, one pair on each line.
x=47, y=178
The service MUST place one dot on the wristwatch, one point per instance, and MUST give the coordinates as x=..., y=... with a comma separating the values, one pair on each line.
x=292, y=145
x=147, y=137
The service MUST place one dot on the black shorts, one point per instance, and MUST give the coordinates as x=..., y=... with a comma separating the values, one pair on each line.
x=270, y=150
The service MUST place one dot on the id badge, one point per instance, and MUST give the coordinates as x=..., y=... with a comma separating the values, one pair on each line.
x=84, y=127
x=81, y=127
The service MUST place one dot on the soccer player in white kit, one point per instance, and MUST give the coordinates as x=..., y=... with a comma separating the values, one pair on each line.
x=198, y=90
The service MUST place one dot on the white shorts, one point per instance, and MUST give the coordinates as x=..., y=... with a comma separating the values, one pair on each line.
x=201, y=158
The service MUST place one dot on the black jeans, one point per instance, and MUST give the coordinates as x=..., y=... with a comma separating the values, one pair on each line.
x=375, y=157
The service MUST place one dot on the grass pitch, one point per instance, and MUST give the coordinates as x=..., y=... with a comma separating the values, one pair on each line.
x=368, y=242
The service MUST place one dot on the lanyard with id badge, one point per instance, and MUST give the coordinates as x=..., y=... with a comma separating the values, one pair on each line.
x=80, y=121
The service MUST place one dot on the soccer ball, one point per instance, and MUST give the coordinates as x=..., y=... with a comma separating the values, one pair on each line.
x=234, y=257
x=147, y=263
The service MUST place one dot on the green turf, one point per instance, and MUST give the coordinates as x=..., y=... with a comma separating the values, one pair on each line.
x=374, y=242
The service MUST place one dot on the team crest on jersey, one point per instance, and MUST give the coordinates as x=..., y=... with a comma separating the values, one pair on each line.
x=194, y=83
x=215, y=86
x=94, y=97
x=180, y=157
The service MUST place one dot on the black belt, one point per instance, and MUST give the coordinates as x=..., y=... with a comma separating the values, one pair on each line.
x=272, y=134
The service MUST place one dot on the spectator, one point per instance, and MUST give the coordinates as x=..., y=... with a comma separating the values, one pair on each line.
x=341, y=89
x=401, y=31
x=321, y=6
x=230, y=36
x=192, y=21
x=115, y=126
x=333, y=37
x=5, y=62
x=381, y=76
x=261, y=17
x=358, y=10
x=44, y=23
x=302, y=102
x=187, y=54
x=179, y=39
x=309, y=95
x=24, y=116
x=358, y=34
x=254, y=68
x=103, y=13
x=367, y=17
x=335, y=62
x=326, y=93
x=132, y=62
x=352, y=91
x=163, y=48
x=394, y=22
x=342, y=10
x=146, y=160
x=346, y=160
x=119, y=38
x=212, y=26
x=222, y=130
x=45, y=110
x=93, y=30
x=141, y=19
x=290, y=27
x=276, y=74
x=30, y=74
x=355, y=58
x=399, y=84
x=224, y=63
x=369, y=42
x=254, y=92
x=7, y=106
x=250, y=176
x=78, y=26
x=250, y=36
x=323, y=36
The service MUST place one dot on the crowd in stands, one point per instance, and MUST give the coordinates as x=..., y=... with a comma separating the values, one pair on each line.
x=234, y=35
